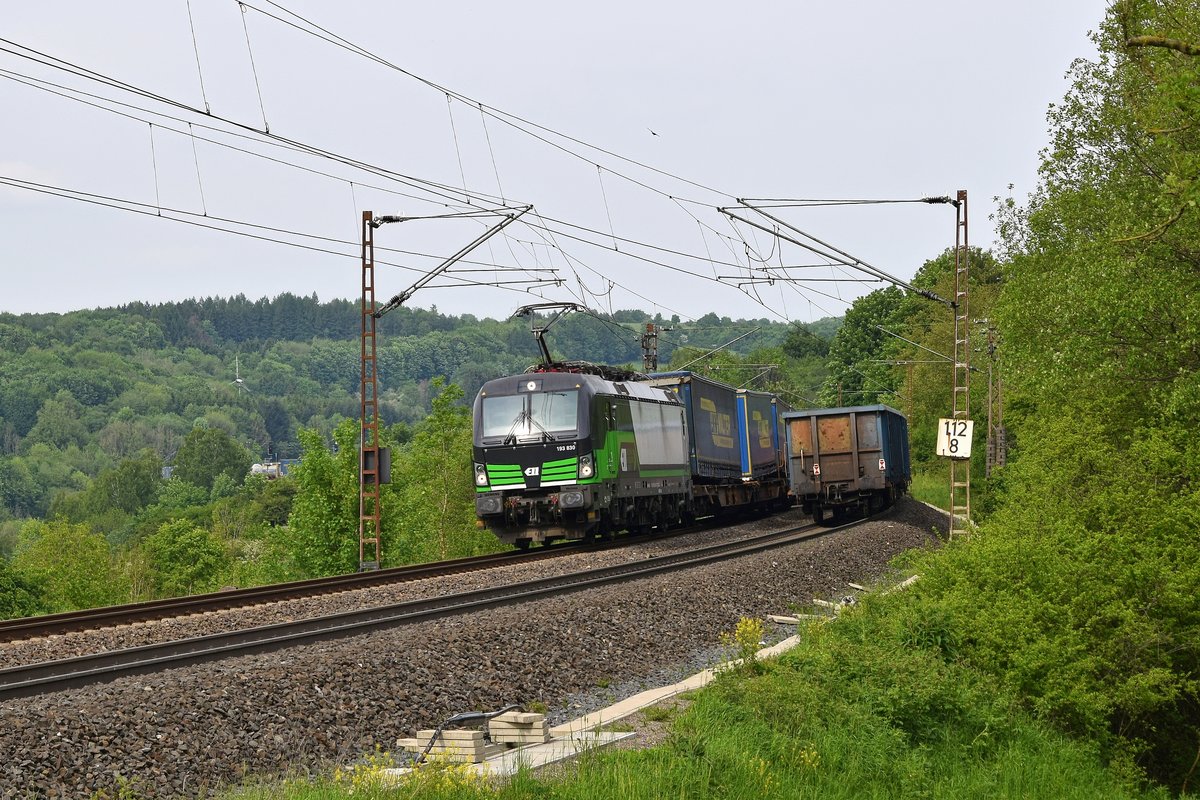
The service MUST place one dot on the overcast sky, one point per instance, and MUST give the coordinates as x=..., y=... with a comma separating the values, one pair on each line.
x=691, y=104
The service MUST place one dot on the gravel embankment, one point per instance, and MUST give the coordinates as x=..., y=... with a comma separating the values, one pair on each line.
x=188, y=730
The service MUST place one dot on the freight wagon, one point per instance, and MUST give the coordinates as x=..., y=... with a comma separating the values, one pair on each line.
x=735, y=448
x=847, y=459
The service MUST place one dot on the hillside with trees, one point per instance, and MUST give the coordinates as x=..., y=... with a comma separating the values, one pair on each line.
x=1066, y=625
x=1077, y=599
x=96, y=406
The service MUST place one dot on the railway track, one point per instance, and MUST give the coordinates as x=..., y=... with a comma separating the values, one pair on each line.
x=92, y=618
x=13, y=630
x=52, y=676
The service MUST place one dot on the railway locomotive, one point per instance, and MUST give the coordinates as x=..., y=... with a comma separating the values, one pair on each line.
x=571, y=451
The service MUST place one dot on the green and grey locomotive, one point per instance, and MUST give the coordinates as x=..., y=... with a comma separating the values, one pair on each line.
x=569, y=455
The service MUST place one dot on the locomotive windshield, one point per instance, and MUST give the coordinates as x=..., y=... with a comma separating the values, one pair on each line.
x=527, y=417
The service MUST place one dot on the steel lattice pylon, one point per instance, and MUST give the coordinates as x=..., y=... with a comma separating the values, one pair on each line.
x=369, y=554
x=960, y=468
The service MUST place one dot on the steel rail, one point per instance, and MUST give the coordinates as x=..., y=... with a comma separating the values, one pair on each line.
x=128, y=613
x=52, y=676
x=110, y=616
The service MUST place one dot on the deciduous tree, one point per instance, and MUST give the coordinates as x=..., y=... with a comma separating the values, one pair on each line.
x=207, y=453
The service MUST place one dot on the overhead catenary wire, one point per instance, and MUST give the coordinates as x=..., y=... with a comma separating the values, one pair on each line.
x=215, y=223
x=199, y=182
x=448, y=192
x=295, y=146
x=759, y=202
x=299, y=147
x=647, y=260
x=196, y=50
x=254, y=69
x=328, y=36
x=192, y=134
x=154, y=164
x=64, y=92
x=454, y=135
x=830, y=252
x=629, y=253
x=437, y=192
x=569, y=259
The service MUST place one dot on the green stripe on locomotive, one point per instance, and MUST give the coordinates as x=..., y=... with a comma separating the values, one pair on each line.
x=505, y=476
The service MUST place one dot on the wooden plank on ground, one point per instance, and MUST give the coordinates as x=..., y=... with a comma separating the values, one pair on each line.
x=519, y=717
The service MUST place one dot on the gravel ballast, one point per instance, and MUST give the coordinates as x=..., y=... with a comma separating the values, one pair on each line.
x=184, y=732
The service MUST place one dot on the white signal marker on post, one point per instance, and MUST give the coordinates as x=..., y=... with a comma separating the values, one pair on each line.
x=954, y=437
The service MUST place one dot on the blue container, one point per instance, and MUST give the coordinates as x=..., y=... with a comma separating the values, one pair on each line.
x=759, y=447
x=712, y=413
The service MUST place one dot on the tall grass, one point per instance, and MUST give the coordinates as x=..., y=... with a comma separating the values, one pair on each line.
x=932, y=486
x=851, y=714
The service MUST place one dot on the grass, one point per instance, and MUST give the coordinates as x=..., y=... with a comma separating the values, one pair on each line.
x=659, y=713
x=932, y=487
x=851, y=716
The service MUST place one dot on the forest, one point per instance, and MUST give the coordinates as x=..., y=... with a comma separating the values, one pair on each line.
x=128, y=435
x=1075, y=600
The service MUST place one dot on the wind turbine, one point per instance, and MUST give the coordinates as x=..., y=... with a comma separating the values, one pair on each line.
x=237, y=376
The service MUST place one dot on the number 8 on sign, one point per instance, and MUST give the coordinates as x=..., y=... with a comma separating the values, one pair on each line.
x=954, y=438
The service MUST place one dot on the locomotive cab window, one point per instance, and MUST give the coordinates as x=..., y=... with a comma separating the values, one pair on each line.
x=529, y=417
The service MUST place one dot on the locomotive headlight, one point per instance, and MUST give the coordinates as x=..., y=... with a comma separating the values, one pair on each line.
x=586, y=468
x=481, y=475
x=488, y=504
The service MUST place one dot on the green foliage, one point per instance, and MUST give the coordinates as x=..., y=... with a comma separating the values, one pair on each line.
x=854, y=378
x=186, y=559
x=1081, y=595
x=803, y=341
x=745, y=641
x=323, y=527
x=71, y=565
x=436, y=494
x=130, y=486
x=19, y=596
x=178, y=494
x=19, y=492
x=208, y=453
x=59, y=422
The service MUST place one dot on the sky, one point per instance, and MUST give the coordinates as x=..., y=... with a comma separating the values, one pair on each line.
x=224, y=148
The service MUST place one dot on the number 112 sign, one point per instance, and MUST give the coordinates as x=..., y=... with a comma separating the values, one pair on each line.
x=954, y=437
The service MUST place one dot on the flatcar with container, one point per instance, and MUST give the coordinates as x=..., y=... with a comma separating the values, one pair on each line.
x=736, y=453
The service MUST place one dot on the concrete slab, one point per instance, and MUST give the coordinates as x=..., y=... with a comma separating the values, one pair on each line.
x=539, y=755
x=535, y=755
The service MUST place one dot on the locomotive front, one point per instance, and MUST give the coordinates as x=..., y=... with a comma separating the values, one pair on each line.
x=535, y=469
